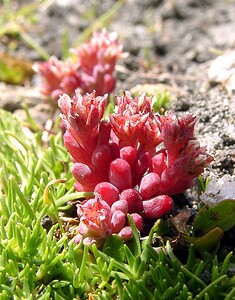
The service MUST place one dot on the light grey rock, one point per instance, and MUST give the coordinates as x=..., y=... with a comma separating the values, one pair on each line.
x=219, y=189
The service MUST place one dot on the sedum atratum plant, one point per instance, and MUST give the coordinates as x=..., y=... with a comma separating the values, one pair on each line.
x=134, y=161
x=92, y=69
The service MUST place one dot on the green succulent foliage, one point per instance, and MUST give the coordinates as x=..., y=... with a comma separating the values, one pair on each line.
x=210, y=224
x=161, y=98
x=35, y=264
x=153, y=274
x=162, y=102
x=30, y=257
x=220, y=215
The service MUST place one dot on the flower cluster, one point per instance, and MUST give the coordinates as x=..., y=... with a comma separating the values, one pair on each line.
x=133, y=162
x=92, y=70
x=98, y=220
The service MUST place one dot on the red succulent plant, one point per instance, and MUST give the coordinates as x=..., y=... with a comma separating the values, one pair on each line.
x=134, y=162
x=93, y=68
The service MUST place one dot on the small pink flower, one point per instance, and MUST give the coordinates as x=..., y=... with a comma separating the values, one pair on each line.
x=183, y=159
x=150, y=135
x=100, y=81
x=98, y=221
x=81, y=116
x=179, y=175
x=129, y=119
x=58, y=77
x=127, y=129
x=135, y=124
x=103, y=48
x=176, y=132
x=95, y=219
x=51, y=73
x=128, y=106
x=196, y=158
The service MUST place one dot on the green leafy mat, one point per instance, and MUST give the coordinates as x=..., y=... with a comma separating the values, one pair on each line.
x=35, y=181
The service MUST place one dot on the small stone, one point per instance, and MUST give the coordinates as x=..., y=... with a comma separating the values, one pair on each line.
x=219, y=190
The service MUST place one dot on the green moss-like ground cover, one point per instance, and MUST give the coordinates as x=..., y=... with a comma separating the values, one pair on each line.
x=36, y=263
